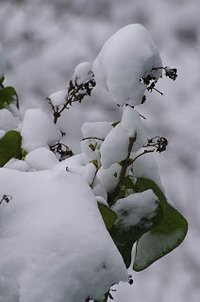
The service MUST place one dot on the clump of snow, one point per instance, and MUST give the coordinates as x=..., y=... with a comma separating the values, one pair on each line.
x=131, y=121
x=109, y=177
x=127, y=57
x=136, y=207
x=7, y=120
x=58, y=98
x=115, y=146
x=38, y=130
x=83, y=73
x=87, y=172
x=146, y=167
x=54, y=243
x=2, y=62
x=17, y=164
x=96, y=129
x=41, y=159
x=99, y=190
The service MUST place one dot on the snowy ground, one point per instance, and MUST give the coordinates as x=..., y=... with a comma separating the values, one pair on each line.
x=45, y=40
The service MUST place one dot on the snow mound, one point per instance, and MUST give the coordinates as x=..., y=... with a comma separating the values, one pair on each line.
x=115, y=146
x=7, y=120
x=127, y=57
x=54, y=245
x=58, y=98
x=83, y=73
x=41, y=159
x=38, y=130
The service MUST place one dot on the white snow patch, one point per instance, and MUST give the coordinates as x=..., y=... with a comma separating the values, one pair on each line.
x=109, y=177
x=54, y=244
x=41, y=159
x=125, y=58
x=58, y=98
x=115, y=146
x=87, y=172
x=151, y=244
x=17, y=164
x=146, y=167
x=96, y=129
x=83, y=73
x=38, y=130
x=133, y=208
x=131, y=121
x=7, y=120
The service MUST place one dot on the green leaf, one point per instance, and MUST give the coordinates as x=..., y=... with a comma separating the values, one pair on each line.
x=108, y=215
x=8, y=96
x=165, y=236
x=10, y=146
x=131, y=224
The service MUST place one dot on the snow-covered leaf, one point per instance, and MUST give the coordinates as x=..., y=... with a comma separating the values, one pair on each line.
x=125, y=58
x=137, y=214
x=165, y=236
x=10, y=146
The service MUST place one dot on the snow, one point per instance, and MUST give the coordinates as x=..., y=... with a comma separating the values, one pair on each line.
x=115, y=146
x=58, y=98
x=146, y=167
x=126, y=57
x=7, y=120
x=93, y=135
x=132, y=209
x=109, y=177
x=54, y=245
x=47, y=59
x=83, y=73
x=96, y=129
x=131, y=121
x=87, y=172
x=41, y=159
x=149, y=245
x=17, y=164
x=38, y=130
x=2, y=62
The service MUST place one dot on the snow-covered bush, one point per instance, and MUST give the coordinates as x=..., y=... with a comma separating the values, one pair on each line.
x=68, y=223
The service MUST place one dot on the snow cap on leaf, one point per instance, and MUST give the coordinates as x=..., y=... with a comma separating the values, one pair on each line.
x=127, y=57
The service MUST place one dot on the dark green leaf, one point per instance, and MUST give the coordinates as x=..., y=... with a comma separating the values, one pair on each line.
x=8, y=96
x=108, y=215
x=165, y=236
x=125, y=235
x=10, y=146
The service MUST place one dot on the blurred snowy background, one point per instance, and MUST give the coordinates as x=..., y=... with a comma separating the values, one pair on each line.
x=45, y=40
